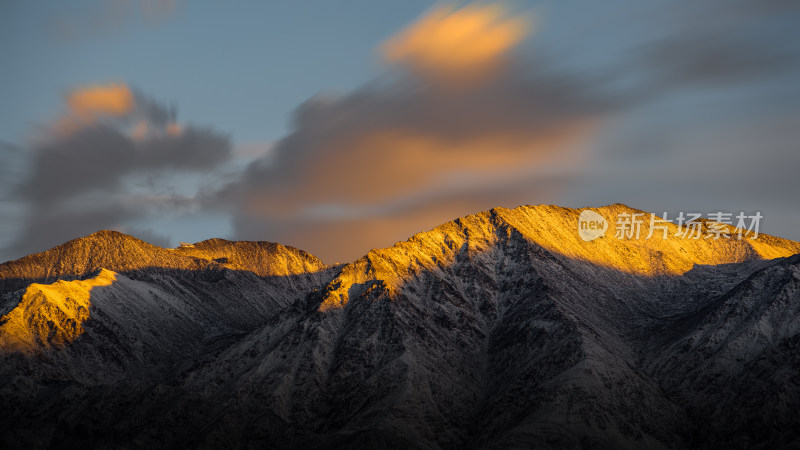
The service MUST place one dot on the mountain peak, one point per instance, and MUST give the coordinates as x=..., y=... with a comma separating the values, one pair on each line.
x=555, y=230
x=498, y=329
x=122, y=253
x=657, y=249
x=260, y=257
x=108, y=234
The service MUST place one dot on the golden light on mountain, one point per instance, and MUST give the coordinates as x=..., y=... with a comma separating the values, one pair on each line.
x=50, y=315
x=482, y=298
x=554, y=229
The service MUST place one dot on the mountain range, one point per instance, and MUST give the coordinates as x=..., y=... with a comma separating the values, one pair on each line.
x=503, y=329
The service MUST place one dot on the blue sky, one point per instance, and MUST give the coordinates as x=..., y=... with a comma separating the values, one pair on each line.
x=663, y=105
x=243, y=69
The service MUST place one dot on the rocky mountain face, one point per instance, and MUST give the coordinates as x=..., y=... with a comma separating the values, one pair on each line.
x=502, y=329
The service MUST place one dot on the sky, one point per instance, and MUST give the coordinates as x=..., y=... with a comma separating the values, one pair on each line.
x=341, y=126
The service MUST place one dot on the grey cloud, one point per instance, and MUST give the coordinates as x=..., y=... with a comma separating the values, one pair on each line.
x=722, y=42
x=406, y=142
x=152, y=111
x=99, y=157
x=760, y=8
x=12, y=168
x=44, y=228
x=343, y=238
x=523, y=106
x=98, y=18
x=78, y=182
x=750, y=166
x=148, y=235
x=713, y=58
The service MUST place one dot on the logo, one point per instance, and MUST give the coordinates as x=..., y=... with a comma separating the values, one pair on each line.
x=591, y=225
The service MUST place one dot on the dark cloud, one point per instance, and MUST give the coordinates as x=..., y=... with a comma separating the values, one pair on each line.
x=405, y=136
x=714, y=59
x=98, y=158
x=12, y=171
x=12, y=167
x=719, y=43
x=760, y=8
x=82, y=172
x=46, y=227
x=152, y=111
x=148, y=235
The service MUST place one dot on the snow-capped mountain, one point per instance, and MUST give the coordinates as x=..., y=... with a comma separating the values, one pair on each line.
x=503, y=329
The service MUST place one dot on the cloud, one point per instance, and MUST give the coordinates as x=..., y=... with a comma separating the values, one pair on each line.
x=342, y=234
x=88, y=105
x=98, y=158
x=147, y=235
x=414, y=144
x=97, y=17
x=726, y=137
x=92, y=101
x=122, y=157
x=713, y=58
x=458, y=44
x=155, y=11
x=463, y=122
x=12, y=172
x=46, y=227
x=749, y=41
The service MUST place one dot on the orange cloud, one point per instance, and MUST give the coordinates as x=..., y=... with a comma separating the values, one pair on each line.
x=467, y=44
x=92, y=101
x=173, y=129
x=139, y=131
x=464, y=134
x=347, y=237
x=403, y=163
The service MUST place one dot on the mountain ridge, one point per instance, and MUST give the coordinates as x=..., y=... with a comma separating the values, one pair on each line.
x=120, y=252
x=495, y=330
x=560, y=236
x=112, y=245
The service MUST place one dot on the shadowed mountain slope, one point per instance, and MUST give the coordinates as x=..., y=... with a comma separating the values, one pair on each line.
x=501, y=329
